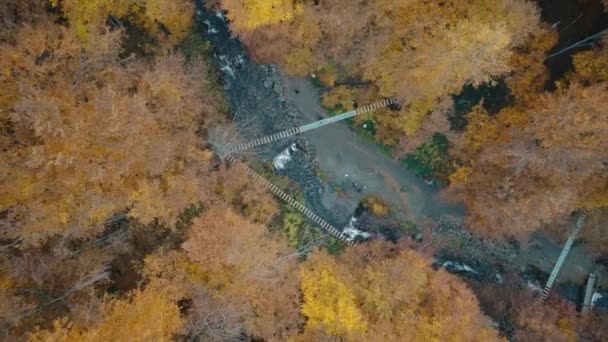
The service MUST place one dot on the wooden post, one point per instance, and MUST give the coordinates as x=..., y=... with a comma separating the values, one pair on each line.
x=587, y=305
x=562, y=256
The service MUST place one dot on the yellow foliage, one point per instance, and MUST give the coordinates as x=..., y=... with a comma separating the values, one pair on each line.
x=298, y=62
x=74, y=155
x=460, y=175
x=88, y=16
x=456, y=50
x=568, y=327
x=240, y=261
x=379, y=70
x=62, y=331
x=328, y=300
x=379, y=209
x=598, y=197
x=177, y=273
x=251, y=14
x=381, y=293
x=420, y=51
x=392, y=125
x=148, y=316
x=6, y=281
x=513, y=116
x=471, y=52
x=307, y=32
x=414, y=115
x=563, y=124
x=328, y=75
x=376, y=205
x=481, y=129
x=591, y=66
x=193, y=270
x=174, y=15
x=339, y=98
x=227, y=234
x=388, y=136
x=259, y=208
x=528, y=160
x=530, y=73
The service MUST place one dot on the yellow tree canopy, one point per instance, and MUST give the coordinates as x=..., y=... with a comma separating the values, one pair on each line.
x=169, y=21
x=329, y=302
x=532, y=164
x=148, y=315
x=591, y=66
x=85, y=135
x=374, y=292
x=250, y=14
x=88, y=17
x=419, y=51
x=236, y=257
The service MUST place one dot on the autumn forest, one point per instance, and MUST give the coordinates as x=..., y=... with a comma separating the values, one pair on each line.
x=121, y=219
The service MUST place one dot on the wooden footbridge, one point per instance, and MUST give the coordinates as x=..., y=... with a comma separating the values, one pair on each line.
x=230, y=154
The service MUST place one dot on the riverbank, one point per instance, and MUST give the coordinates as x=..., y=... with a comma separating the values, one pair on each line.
x=334, y=158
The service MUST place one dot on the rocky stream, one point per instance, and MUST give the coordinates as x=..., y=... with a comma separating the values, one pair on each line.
x=264, y=98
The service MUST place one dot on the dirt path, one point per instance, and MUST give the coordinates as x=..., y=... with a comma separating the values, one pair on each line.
x=346, y=158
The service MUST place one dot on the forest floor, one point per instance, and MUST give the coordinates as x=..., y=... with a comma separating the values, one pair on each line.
x=348, y=159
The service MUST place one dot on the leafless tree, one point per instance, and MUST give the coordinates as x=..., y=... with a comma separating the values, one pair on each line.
x=318, y=241
x=211, y=319
x=96, y=276
x=225, y=138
